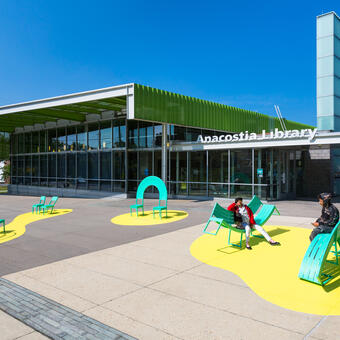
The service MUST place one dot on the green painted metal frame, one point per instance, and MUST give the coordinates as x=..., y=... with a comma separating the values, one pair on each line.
x=313, y=262
x=224, y=218
x=3, y=224
x=50, y=205
x=163, y=195
x=37, y=207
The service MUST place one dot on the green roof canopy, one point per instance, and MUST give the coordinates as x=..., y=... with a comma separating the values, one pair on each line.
x=138, y=102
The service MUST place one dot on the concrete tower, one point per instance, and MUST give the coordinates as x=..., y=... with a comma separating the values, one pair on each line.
x=328, y=71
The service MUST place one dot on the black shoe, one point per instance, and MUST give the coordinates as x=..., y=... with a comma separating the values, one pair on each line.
x=249, y=247
x=275, y=243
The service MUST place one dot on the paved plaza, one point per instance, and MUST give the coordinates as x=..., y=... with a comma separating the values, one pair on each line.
x=136, y=281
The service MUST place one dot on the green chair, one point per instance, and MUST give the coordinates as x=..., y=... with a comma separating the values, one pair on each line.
x=313, y=266
x=264, y=214
x=163, y=195
x=224, y=218
x=37, y=206
x=46, y=207
x=3, y=223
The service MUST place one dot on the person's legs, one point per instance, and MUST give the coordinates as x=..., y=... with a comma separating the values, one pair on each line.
x=263, y=232
x=321, y=229
x=247, y=229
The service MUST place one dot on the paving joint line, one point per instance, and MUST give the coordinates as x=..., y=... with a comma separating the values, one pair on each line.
x=54, y=320
x=315, y=327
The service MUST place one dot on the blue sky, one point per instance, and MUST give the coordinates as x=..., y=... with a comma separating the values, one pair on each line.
x=249, y=54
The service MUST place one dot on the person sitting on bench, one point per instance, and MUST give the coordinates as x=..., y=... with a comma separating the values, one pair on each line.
x=244, y=218
x=329, y=216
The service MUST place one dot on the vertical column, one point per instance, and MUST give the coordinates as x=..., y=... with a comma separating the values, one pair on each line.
x=328, y=72
x=164, y=153
x=252, y=172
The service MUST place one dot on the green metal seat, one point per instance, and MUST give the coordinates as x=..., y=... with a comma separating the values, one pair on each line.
x=163, y=195
x=255, y=204
x=224, y=218
x=38, y=206
x=264, y=214
x=47, y=207
x=313, y=266
x=3, y=223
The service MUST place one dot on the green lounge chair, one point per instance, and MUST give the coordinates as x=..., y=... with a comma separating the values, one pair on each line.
x=313, y=266
x=224, y=218
x=3, y=223
x=163, y=195
x=46, y=207
x=37, y=206
x=264, y=214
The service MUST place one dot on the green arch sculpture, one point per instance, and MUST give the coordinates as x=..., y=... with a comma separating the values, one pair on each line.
x=163, y=195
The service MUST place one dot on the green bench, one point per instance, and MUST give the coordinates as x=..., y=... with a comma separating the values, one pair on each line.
x=224, y=218
x=163, y=196
x=313, y=267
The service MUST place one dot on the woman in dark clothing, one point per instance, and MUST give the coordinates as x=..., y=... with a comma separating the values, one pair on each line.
x=329, y=216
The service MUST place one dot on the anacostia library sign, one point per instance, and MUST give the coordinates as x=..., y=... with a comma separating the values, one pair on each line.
x=245, y=136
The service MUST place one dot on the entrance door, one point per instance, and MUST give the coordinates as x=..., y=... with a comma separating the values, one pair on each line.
x=286, y=175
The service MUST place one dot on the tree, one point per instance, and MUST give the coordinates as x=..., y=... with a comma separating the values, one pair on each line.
x=6, y=172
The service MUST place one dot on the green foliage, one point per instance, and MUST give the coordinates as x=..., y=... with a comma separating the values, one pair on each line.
x=6, y=172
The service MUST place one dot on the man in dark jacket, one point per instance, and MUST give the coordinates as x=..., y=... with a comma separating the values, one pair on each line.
x=329, y=216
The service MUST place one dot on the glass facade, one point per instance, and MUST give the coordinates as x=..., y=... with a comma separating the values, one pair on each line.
x=115, y=155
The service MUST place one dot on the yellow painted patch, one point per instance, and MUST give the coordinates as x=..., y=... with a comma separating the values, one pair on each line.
x=18, y=226
x=272, y=271
x=147, y=218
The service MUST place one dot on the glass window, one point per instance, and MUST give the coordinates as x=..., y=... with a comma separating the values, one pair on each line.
x=61, y=139
x=81, y=171
x=145, y=135
x=28, y=166
x=240, y=166
x=157, y=171
x=93, y=136
x=71, y=138
x=14, y=167
x=218, y=166
x=20, y=143
x=35, y=142
x=192, y=134
x=14, y=144
x=71, y=165
x=119, y=165
x=133, y=134
x=244, y=191
x=52, y=140
x=158, y=135
x=35, y=166
x=198, y=166
x=105, y=165
x=119, y=133
x=43, y=165
x=145, y=164
x=28, y=141
x=132, y=165
x=61, y=165
x=43, y=144
x=81, y=138
x=52, y=166
x=20, y=166
x=93, y=165
x=105, y=135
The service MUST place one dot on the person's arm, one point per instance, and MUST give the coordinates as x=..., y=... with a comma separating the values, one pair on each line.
x=251, y=215
x=332, y=218
x=232, y=207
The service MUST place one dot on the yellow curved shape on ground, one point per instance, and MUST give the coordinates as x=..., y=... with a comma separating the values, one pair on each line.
x=272, y=271
x=147, y=218
x=18, y=226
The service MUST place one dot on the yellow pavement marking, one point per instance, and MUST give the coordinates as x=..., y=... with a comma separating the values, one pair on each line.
x=147, y=218
x=18, y=226
x=272, y=271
